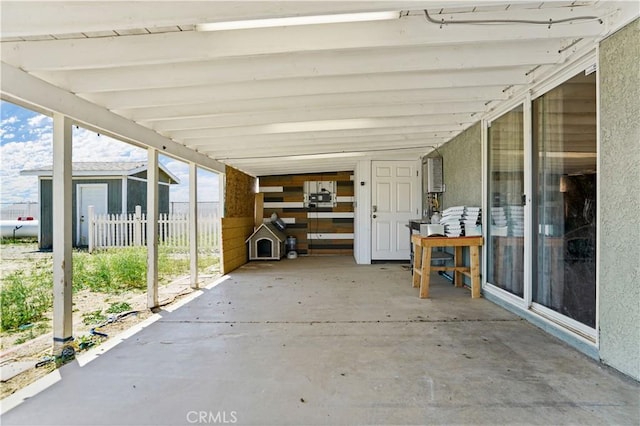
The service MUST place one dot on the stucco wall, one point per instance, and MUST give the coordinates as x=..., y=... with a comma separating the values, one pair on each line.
x=619, y=260
x=462, y=169
x=462, y=172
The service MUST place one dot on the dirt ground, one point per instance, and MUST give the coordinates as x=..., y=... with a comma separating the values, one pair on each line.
x=20, y=256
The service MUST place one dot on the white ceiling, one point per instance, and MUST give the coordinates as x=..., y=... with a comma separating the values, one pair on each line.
x=281, y=100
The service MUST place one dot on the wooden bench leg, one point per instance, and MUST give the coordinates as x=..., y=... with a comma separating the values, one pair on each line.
x=426, y=272
x=417, y=265
x=458, y=278
x=475, y=271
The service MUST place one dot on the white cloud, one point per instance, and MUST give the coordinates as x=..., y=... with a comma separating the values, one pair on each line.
x=6, y=127
x=10, y=120
x=27, y=144
x=89, y=146
x=18, y=156
x=39, y=120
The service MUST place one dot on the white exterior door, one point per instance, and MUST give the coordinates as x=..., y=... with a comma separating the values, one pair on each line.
x=393, y=204
x=90, y=194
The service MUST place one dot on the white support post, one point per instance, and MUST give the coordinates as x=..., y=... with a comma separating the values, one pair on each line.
x=125, y=198
x=152, y=228
x=62, y=233
x=222, y=183
x=193, y=223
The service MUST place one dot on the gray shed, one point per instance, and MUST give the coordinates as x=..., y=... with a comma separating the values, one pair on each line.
x=111, y=187
x=266, y=243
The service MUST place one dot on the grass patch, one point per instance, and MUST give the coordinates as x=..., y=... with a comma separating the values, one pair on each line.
x=18, y=240
x=87, y=341
x=25, y=297
x=33, y=331
x=94, y=317
x=118, y=307
x=98, y=317
x=173, y=263
x=110, y=271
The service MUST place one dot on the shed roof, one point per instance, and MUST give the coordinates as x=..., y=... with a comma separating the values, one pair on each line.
x=102, y=168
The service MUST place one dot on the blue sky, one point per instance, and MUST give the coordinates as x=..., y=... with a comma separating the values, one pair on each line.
x=26, y=143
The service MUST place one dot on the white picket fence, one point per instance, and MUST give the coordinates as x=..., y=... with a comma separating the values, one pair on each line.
x=128, y=230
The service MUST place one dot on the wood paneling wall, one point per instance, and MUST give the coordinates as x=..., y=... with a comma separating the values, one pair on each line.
x=235, y=231
x=237, y=225
x=331, y=220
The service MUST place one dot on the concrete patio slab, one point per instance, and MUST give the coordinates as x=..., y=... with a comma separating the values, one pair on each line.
x=12, y=369
x=316, y=341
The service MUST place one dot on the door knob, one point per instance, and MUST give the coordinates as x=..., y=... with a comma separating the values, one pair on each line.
x=374, y=216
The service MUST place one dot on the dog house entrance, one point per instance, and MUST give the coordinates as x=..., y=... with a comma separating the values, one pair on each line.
x=266, y=243
x=264, y=248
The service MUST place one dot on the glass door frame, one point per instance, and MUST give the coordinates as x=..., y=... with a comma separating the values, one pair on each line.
x=582, y=332
x=525, y=301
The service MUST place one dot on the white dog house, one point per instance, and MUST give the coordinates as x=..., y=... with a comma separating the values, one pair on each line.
x=266, y=243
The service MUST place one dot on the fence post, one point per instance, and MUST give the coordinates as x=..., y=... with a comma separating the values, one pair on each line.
x=91, y=227
x=137, y=226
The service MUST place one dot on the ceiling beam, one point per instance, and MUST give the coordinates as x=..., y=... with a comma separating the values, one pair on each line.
x=296, y=166
x=447, y=121
x=21, y=88
x=433, y=130
x=153, y=49
x=34, y=17
x=309, y=86
x=318, y=163
x=334, y=142
x=389, y=97
x=308, y=64
x=280, y=151
x=310, y=114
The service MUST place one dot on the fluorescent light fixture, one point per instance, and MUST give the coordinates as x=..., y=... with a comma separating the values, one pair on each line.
x=297, y=20
x=320, y=156
x=319, y=126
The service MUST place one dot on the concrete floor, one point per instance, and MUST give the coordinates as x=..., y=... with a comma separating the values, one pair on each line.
x=324, y=341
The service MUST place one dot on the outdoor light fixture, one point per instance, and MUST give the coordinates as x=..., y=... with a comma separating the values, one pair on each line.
x=319, y=125
x=298, y=20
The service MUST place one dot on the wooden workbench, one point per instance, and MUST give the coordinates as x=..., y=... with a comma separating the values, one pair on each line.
x=422, y=261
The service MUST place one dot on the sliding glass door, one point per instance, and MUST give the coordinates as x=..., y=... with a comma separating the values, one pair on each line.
x=557, y=278
x=505, y=235
x=565, y=167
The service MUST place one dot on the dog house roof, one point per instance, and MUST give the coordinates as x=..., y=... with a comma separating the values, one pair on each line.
x=279, y=235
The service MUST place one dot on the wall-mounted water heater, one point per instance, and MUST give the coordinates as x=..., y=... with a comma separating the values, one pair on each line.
x=434, y=174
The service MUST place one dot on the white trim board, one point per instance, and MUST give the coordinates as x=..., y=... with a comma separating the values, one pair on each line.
x=284, y=205
x=288, y=220
x=345, y=199
x=330, y=215
x=271, y=189
x=329, y=236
